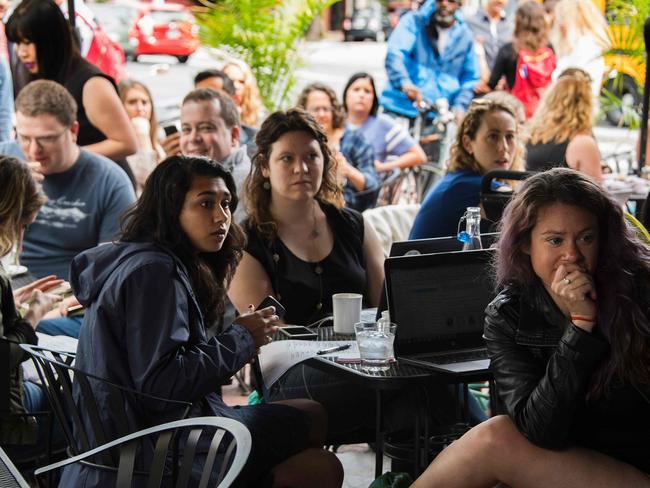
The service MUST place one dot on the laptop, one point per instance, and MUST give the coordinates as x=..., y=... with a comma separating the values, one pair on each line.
x=436, y=244
x=438, y=302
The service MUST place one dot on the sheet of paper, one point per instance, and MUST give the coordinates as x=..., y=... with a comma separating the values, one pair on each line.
x=58, y=343
x=276, y=358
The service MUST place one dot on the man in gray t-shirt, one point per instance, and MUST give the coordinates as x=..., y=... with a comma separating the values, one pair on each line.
x=87, y=193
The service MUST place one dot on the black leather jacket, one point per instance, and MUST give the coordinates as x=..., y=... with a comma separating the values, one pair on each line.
x=542, y=364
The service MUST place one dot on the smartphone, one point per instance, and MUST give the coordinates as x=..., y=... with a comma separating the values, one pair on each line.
x=298, y=332
x=75, y=310
x=170, y=129
x=269, y=301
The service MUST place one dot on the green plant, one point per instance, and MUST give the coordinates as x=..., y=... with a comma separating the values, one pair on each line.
x=626, y=19
x=266, y=34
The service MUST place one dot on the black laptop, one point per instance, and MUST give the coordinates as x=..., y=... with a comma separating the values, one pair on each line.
x=436, y=244
x=438, y=302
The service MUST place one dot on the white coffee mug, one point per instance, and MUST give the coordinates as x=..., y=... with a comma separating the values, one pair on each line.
x=347, y=311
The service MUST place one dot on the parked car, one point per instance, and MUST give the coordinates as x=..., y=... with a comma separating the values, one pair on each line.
x=366, y=23
x=117, y=19
x=164, y=29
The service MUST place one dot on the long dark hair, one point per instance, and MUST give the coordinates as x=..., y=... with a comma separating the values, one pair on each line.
x=623, y=262
x=155, y=218
x=362, y=75
x=43, y=23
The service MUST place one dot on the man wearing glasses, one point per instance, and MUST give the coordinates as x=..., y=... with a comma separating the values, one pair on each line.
x=86, y=192
x=430, y=56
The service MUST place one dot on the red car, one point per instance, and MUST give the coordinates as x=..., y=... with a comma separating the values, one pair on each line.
x=164, y=29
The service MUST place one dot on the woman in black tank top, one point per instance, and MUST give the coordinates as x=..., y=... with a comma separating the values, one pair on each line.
x=46, y=49
x=561, y=129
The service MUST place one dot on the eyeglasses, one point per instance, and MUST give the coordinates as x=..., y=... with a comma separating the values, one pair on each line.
x=316, y=110
x=42, y=141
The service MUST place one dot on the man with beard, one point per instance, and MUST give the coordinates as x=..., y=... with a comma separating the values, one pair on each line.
x=430, y=56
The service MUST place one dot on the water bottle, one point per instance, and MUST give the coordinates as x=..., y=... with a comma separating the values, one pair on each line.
x=471, y=236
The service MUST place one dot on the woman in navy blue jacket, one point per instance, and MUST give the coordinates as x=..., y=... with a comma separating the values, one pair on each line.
x=149, y=299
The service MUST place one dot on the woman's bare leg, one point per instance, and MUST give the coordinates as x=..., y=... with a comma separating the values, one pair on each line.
x=495, y=451
x=313, y=467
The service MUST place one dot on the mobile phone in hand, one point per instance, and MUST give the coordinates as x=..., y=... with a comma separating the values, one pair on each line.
x=170, y=129
x=269, y=301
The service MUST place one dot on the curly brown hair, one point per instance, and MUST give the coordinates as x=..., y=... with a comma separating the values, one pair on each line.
x=338, y=114
x=258, y=199
x=459, y=157
x=531, y=28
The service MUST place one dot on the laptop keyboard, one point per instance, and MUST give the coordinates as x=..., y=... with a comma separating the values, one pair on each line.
x=456, y=357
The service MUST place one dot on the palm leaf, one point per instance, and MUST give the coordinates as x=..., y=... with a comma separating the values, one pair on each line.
x=266, y=34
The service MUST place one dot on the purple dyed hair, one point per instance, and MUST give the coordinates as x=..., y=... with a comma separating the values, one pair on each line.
x=621, y=256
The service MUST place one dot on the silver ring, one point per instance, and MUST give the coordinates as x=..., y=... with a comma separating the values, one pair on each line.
x=567, y=281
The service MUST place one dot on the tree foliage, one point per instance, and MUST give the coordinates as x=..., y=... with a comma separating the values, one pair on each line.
x=266, y=34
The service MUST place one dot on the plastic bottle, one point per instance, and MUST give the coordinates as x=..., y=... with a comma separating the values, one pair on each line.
x=471, y=237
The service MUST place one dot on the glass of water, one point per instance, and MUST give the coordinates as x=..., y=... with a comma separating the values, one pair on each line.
x=375, y=340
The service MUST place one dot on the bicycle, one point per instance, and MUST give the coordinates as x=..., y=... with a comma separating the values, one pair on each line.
x=429, y=129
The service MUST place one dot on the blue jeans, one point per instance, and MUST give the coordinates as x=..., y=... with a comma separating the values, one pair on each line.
x=67, y=326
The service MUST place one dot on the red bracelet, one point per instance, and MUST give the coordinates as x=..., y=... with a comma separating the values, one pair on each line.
x=582, y=318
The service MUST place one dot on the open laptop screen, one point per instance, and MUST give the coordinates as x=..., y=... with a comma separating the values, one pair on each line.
x=438, y=300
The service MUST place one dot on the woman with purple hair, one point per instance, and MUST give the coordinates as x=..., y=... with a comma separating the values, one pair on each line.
x=569, y=342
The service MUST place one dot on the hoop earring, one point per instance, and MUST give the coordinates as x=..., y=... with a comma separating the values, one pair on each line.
x=266, y=184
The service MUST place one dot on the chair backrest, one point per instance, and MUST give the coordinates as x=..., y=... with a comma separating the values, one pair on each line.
x=56, y=371
x=228, y=440
x=10, y=477
x=494, y=202
x=392, y=222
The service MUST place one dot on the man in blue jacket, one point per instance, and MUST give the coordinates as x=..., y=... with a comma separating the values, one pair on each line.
x=430, y=56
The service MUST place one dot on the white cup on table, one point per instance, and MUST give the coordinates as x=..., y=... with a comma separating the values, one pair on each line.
x=347, y=311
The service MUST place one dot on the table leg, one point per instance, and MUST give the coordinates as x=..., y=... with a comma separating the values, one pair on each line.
x=379, y=437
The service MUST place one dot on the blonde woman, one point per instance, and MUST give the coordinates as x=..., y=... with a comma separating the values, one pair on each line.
x=247, y=96
x=579, y=37
x=560, y=131
x=138, y=104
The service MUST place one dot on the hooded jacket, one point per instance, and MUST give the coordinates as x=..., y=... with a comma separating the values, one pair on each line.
x=413, y=58
x=143, y=329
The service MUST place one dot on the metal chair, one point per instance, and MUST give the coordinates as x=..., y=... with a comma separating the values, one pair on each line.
x=30, y=455
x=231, y=431
x=56, y=372
x=10, y=477
x=367, y=198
